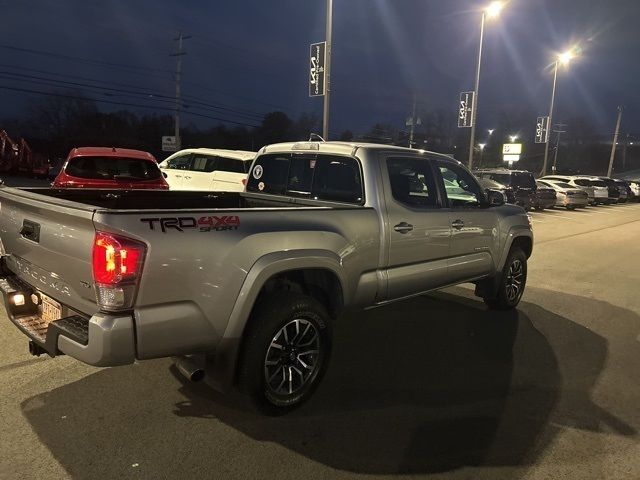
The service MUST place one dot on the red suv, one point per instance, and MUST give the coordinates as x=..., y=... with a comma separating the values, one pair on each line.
x=113, y=168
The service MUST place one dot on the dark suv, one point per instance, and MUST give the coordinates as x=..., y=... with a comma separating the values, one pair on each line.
x=521, y=182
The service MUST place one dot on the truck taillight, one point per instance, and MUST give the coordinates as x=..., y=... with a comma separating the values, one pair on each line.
x=117, y=265
x=244, y=182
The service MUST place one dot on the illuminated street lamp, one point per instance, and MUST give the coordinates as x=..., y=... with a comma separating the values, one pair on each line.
x=564, y=59
x=492, y=11
x=491, y=130
x=513, y=138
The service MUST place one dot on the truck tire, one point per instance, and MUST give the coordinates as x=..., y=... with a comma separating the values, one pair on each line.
x=286, y=350
x=513, y=280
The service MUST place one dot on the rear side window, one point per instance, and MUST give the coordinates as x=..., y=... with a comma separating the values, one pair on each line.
x=112, y=168
x=232, y=165
x=321, y=177
x=582, y=183
x=502, y=178
x=524, y=180
x=204, y=163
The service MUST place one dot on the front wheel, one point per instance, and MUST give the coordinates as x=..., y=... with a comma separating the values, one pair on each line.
x=512, y=282
x=285, y=353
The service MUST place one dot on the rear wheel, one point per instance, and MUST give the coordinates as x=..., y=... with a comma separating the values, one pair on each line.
x=285, y=353
x=512, y=282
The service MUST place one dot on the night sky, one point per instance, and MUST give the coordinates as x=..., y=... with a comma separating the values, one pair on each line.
x=251, y=57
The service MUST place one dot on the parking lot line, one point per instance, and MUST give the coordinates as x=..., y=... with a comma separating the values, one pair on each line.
x=556, y=215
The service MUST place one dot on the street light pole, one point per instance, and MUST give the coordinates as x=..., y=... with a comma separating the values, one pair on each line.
x=476, y=95
x=550, y=121
x=325, y=110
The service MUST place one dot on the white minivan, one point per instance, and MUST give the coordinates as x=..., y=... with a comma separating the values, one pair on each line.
x=207, y=169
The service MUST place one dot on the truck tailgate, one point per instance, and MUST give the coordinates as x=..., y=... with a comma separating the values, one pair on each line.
x=49, y=245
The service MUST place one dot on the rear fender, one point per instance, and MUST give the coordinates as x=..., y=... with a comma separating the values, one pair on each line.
x=220, y=368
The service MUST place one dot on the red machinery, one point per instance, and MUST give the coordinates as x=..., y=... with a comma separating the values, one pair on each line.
x=17, y=158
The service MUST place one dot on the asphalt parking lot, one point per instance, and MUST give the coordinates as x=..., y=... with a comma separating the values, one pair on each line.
x=426, y=387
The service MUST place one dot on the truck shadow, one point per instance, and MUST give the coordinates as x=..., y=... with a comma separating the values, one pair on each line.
x=429, y=385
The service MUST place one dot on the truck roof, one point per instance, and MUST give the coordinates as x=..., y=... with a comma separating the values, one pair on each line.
x=341, y=148
x=110, y=152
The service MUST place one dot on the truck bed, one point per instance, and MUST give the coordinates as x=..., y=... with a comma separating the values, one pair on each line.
x=167, y=200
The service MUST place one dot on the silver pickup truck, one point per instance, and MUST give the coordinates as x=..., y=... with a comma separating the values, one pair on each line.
x=243, y=288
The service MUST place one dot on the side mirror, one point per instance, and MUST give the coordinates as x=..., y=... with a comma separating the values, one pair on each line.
x=495, y=197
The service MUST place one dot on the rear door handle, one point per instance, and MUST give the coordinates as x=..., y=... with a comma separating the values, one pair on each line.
x=188, y=178
x=457, y=224
x=403, y=227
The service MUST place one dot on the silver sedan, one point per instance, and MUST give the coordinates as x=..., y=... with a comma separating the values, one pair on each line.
x=568, y=196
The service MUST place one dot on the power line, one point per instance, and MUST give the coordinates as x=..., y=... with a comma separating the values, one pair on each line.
x=110, y=102
x=193, y=98
x=132, y=94
x=81, y=59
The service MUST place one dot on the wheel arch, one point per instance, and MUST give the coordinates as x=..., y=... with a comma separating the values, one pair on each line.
x=317, y=273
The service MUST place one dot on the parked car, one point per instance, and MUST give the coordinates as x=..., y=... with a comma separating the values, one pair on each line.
x=110, y=168
x=600, y=189
x=614, y=190
x=522, y=182
x=626, y=194
x=243, y=288
x=207, y=169
x=546, y=197
x=488, y=184
x=566, y=195
x=634, y=185
x=579, y=182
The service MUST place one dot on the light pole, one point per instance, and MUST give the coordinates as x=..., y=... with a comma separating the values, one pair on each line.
x=481, y=147
x=564, y=59
x=327, y=67
x=492, y=11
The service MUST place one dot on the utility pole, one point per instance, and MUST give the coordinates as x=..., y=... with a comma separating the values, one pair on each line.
x=624, y=153
x=327, y=69
x=179, y=54
x=555, y=155
x=413, y=122
x=615, y=141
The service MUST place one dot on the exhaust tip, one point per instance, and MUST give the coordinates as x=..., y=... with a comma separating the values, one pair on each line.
x=189, y=369
x=197, y=375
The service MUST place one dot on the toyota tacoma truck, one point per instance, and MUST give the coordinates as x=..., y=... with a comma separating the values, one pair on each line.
x=243, y=288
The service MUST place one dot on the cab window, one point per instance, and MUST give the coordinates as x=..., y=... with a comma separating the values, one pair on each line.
x=320, y=177
x=412, y=182
x=461, y=189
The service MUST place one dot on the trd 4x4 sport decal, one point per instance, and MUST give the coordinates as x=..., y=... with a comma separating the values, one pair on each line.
x=202, y=224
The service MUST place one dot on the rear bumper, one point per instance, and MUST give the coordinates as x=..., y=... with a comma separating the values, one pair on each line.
x=576, y=200
x=102, y=340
